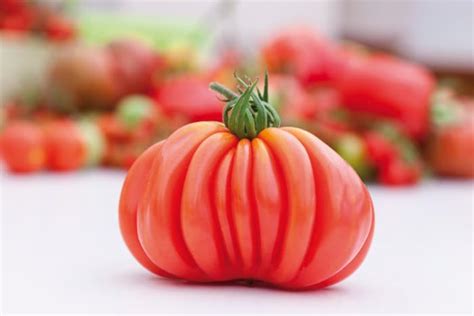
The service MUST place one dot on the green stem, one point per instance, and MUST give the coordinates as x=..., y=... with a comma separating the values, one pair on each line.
x=249, y=113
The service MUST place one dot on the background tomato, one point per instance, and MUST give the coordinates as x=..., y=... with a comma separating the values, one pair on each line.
x=450, y=149
x=388, y=87
x=189, y=95
x=65, y=146
x=300, y=52
x=22, y=147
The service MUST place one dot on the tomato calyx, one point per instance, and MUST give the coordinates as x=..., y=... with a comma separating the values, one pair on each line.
x=248, y=113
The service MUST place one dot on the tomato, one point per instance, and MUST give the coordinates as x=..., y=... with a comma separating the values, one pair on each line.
x=59, y=28
x=398, y=172
x=134, y=65
x=188, y=95
x=380, y=150
x=135, y=109
x=388, y=87
x=22, y=147
x=12, y=6
x=82, y=77
x=20, y=22
x=450, y=150
x=66, y=149
x=218, y=202
x=300, y=52
x=394, y=155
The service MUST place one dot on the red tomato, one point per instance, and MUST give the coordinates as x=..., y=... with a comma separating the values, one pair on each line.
x=300, y=52
x=451, y=148
x=282, y=207
x=18, y=22
x=388, y=87
x=380, y=150
x=398, y=172
x=59, y=28
x=12, y=6
x=189, y=96
x=134, y=65
x=65, y=147
x=231, y=236
x=22, y=147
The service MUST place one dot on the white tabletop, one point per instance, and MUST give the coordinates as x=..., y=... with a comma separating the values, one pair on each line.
x=62, y=252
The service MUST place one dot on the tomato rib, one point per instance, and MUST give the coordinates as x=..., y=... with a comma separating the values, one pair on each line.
x=298, y=175
x=240, y=207
x=277, y=251
x=160, y=218
x=222, y=205
x=130, y=197
x=352, y=266
x=199, y=221
x=254, y=221
x=230, y=219
x=218, y=232
x=337, y=236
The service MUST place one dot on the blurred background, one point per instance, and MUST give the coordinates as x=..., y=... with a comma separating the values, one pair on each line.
x=387, y=84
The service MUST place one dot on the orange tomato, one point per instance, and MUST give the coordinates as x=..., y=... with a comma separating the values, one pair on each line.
x=282, y=207
x=22, y=147
x=65, y=147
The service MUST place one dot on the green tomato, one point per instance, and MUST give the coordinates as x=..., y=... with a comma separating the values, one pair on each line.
x=133, y=109
x=94, y=140
x=352, y=149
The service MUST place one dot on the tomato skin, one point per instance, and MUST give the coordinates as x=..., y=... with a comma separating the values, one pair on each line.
x=282, y=208
x=134, y=186
x=22, y=147
x=66, y=150
x=388, y=87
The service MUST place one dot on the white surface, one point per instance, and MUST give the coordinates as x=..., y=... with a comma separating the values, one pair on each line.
x=62, y=252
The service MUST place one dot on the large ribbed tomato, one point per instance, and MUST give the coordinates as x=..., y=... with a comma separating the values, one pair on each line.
x=209, y=205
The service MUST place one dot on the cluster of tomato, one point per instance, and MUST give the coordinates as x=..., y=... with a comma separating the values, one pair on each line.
x=376, y=110
x=22, y=17
x=383, y=115
x=58, y=145
x=44, y=139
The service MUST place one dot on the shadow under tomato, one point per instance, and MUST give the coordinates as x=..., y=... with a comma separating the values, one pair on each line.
x=146, y=278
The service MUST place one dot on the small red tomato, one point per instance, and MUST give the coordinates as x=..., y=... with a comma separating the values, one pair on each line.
x=398, y=172
x=380, y=150
x=300, y=52
x=65, y=146
x=451, y=147
x=134, y=65
x=189, y=96
x=22, y=147
x=21, y=22
x=58, y=28
x=113, y=129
